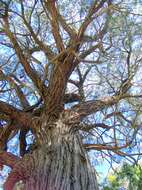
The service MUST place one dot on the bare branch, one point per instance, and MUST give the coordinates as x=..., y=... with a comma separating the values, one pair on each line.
x=104, y=147
x=5, y=134
x=87, y=127
x=71, y=97
x=8, y=159
x=94, y=8
x=23, y=59
x=51, y=7
x=72, y=33
x=15, y=114
x=18, y=90
x=93, y=106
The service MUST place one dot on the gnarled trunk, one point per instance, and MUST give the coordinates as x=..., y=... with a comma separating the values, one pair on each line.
x=59, y=164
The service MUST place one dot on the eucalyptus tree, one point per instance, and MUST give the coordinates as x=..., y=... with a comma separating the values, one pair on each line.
x=68, y=77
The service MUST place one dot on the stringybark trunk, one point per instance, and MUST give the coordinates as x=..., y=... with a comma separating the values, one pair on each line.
x=59, y=164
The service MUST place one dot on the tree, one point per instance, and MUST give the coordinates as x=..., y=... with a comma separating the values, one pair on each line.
x=129, y=176
x=49, y=52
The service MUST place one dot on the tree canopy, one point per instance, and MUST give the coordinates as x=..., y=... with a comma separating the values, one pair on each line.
x=80, y=56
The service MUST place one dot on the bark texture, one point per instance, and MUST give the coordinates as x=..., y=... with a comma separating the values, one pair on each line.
x=60, y=163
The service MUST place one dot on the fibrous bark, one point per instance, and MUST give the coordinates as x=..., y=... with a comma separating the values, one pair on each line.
x=60, y=162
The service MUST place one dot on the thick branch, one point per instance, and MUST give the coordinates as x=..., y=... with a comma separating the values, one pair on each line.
x=51, y=7
x=88, y=127
x=57, y=84
x=8, y=159
x=23, y=143
x=71, y=97
x=15, y=114
x=5, y=134
x=93, y=106
x=68, y=98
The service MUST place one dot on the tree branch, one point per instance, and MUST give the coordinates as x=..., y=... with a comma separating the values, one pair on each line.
x=47, y=50
x=8, y=159
x=51, y=7
x=71, y=97
x=23, y=59
x=94, y=8
x=72, y=33
x=93, y=106
x=24, y=102
x=104, y=147
x=87, y=127
x=15, y=114
x=5, y=133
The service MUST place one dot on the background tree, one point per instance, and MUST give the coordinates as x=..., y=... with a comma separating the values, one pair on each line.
x=69, y=84
x=128, y=177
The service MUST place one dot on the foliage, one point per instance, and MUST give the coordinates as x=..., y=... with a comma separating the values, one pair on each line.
x=128, y=177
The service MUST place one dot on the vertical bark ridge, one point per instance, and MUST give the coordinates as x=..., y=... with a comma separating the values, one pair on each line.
x=59, y=164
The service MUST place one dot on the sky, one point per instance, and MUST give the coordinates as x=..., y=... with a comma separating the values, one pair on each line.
x=103, y=167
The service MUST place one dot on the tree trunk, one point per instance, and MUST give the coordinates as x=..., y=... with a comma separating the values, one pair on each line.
x=59, y=164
